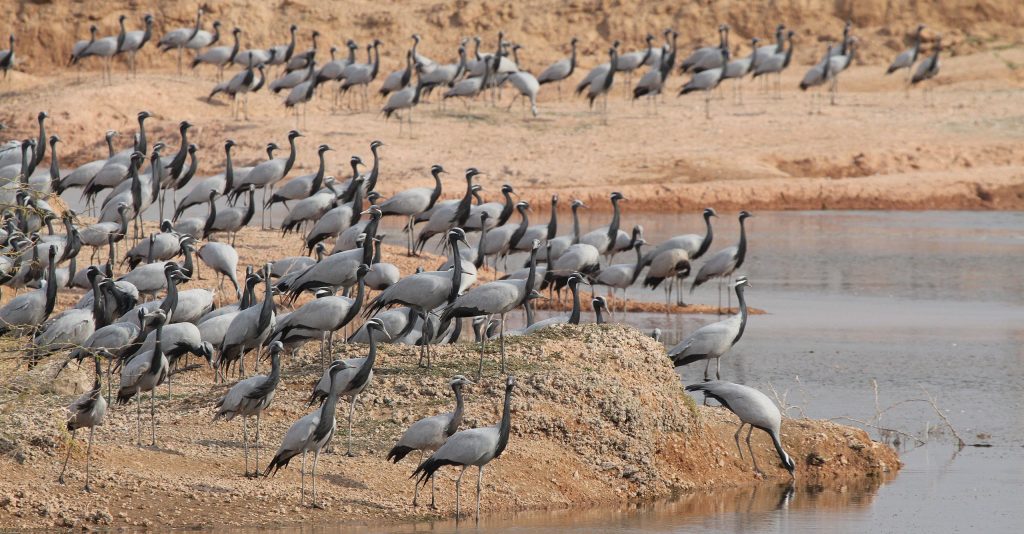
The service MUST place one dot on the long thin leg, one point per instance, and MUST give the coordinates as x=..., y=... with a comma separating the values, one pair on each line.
x=432, y=481
x=751, y=449
x=483, y=340
x=316, y=456
x=245, y=444
x=138, y=417
x=256, y=469
x=718, y=370
x=110, y=363
x=719, y=296
x=416, y=487
x=302, y=486
x=458, y=493
x=351, y=411
x=502, y=342
x=737, y=437
x=479, y=485
x=152, y=416
x=88, y=459
x=707, y=369
x=70, y=446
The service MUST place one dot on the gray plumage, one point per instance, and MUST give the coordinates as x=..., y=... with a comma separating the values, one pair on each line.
x=82, y=174
x=906, y=59
x=712, y=341
x=430, y=433
x=223, y=259
x=527, y=86
x=309, y=209
x=473, y=447
x=250, y=397
x=249, y=329
x=708, y=57
x=29, y=310
x=349, y=378
x=310, y=433
x=724, y=262
x=68, y=330
x=928, y=68
x=143, y=373
x=561, y=69
x=695, y=245
x=753, y=408
x=219, y=56
x=88, y=411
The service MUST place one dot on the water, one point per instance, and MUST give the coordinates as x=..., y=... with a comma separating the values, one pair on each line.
x=916, y=302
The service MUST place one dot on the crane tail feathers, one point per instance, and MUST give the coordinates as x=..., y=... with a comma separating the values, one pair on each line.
x=398, y=452
x=688, y=359
x=426, y=470
x=279, y=461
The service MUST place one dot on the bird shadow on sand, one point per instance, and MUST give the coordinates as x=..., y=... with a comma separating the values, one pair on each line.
x=215, y=103
x=342, y=481
x=220, y=443
x=165, y=450
x=206, y=488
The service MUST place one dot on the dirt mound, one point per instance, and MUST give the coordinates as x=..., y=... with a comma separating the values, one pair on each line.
x=599, y=416
x=47, y=30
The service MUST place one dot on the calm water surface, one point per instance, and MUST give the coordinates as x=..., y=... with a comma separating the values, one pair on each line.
x=913, y=301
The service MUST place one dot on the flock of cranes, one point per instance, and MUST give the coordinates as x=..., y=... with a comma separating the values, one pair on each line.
x=476, y=75
x=145, y=328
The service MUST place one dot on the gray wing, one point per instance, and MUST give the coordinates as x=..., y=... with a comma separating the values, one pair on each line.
x=717, y=265
x=749, y=404
x=713, y=339
x=469, y=447
x=903, y=61
x=408, y=202
x=300, y=434
x=427, y=433
x=555, y=72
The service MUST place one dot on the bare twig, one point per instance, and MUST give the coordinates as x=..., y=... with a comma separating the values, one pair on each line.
x=931, y=400
x=781, y=401
x=880, y=428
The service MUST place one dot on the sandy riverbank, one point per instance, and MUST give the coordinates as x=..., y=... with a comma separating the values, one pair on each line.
x=880, y=148
x=598, y=417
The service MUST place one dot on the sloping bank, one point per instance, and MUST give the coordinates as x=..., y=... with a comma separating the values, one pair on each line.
x=598, y=417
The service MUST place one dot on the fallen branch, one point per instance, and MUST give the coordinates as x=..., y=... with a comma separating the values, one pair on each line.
x=931, y=400
x=880, y=428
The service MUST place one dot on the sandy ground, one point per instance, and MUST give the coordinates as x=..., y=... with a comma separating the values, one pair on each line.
x=879, y=148
x=570, y=445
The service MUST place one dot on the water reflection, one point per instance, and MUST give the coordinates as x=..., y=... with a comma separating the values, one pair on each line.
x=758, y=507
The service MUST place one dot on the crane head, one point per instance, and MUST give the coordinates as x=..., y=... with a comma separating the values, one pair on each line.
x=378, y=325
x=459, y=380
